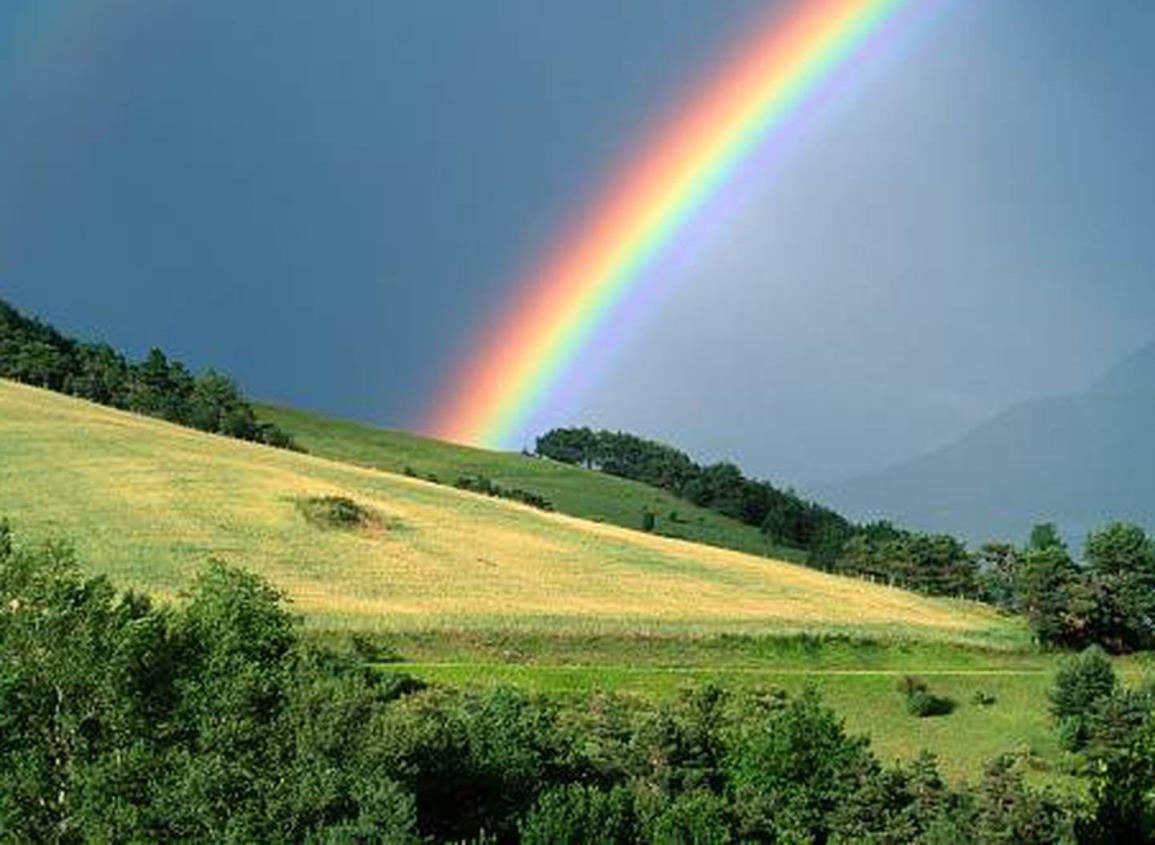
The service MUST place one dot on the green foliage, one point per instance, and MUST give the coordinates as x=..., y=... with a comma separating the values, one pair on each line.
x=488, y=487
x=1080, y=683
x=1007, y=811
x=925, y=704
x=699, y=817
x=908, y=685
x=785, y=517
x=934, y=564
x=904, y=804
x=339, y=512
x=1121, y=586
x=982, y=698
x=212, y=720
x=790, y=770
x=1046, y=536
x=1111, y=601
x=581, y=815
x=34, y=353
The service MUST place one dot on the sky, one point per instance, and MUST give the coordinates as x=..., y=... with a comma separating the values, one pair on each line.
x=329, y=201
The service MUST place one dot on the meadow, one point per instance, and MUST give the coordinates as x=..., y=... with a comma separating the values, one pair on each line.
x=465, y=589
x=149, y=503
x=858, y=678
x=570, y=489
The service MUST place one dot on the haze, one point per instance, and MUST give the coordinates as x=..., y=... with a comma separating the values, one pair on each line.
x=329, y=202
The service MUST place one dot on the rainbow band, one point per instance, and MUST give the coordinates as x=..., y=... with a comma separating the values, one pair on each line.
x=653, y=199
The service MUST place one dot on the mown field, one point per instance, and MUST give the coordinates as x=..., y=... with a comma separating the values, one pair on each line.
x=571, y=490
x=148, y=503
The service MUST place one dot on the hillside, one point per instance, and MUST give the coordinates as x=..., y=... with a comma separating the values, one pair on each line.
x=570, y=489
x=148, y=502
x=1078, y=461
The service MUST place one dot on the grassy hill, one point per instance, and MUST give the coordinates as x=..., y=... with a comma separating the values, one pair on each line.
x=148, y=502
x=570, y=489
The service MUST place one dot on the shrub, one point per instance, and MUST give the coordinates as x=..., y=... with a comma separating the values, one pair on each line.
x=983, y=698
x=581, y=815
x=1009, y=811
x=488, y=487
x=338, y=512
x=649, y=521
x=698, y=817
x=908, y=685
x=924, y=704
x=790, y=769
x=1080, y=683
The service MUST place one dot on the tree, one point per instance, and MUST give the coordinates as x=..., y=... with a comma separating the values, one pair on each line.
x=581, y=815
x=790, y=771
x=1043, y=586
x=1046, y=536
x=1080, y=684
x=1121, y=579
x=997, y=570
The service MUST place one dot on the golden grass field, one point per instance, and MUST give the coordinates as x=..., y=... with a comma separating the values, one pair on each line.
x=148, y=503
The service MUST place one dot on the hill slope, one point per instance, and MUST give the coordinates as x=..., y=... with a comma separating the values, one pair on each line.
x=1077, y=461
x=570, y=489
x=148, y=502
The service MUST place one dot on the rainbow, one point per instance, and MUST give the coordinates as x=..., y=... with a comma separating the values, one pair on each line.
x=645, y=208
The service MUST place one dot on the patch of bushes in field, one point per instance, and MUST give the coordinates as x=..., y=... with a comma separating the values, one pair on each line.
x=488, y=487
x=920, y=701
x=336, y=512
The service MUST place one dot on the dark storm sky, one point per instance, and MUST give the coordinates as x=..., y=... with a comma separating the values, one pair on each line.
x=327, y=200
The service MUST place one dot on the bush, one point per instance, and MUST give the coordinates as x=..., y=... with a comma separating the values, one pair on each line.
x=924, y=704
x=581, y=815
x=982, y=698
x=338, y=512
x=698, y=817
x=488, y=487
x=908, y=685
x=1081, y=682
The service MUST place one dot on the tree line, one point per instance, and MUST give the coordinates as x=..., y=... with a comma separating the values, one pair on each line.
x=35, y=353
x=785, y=517
x=215, y=720
x=1107, y=598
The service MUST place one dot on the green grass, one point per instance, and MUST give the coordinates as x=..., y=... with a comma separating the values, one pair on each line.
x=857, y=678
x=571, y=490
x=470, y=589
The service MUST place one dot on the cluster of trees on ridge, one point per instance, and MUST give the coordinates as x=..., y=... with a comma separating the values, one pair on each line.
x=214, y=720
x=785, y=517
x=1107, y=599
x=37, y=354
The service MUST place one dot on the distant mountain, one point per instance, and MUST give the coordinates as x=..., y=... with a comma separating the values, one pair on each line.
x=1077, y=461
x=1134, y=374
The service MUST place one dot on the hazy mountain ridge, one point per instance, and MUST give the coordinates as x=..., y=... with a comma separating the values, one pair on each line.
x=1075, y=460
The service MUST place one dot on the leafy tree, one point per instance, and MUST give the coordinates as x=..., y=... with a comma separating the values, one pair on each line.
x=791, y=770
x=1046, y=536
x=1080, y=683
x=1007, y=811
x=1121, y=581
x=37, y=354
x=997, y=566
x=582, y=815
x=1044, y=582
